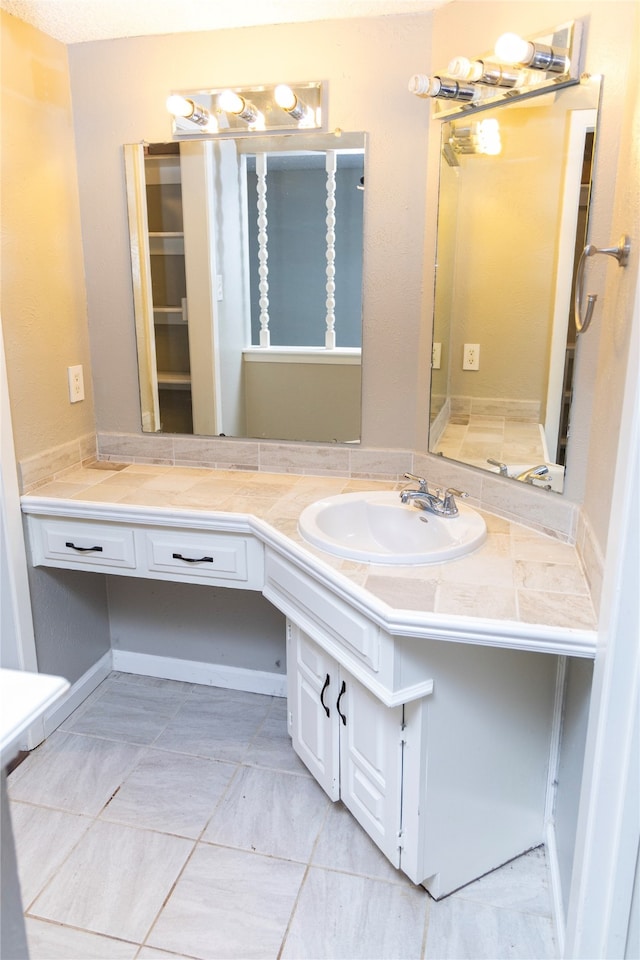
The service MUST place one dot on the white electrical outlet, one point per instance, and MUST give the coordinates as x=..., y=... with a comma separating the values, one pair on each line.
x=471, y=356
x=436, y=356
x=76, y=383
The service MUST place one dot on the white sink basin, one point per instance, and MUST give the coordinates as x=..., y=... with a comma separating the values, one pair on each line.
x=379, y=528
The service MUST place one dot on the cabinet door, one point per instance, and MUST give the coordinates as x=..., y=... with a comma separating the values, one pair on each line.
x=312, y=682
x=371, y=764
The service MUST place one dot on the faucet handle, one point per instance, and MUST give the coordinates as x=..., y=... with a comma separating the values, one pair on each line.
x=421, y=481
x=449, y=505
x=501, y=466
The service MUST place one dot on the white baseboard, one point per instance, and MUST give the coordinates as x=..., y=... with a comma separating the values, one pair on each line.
x=76, y=694
x=193, y=671
x=557, y=904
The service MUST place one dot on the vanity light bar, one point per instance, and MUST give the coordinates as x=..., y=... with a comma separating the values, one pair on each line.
x=232, y=111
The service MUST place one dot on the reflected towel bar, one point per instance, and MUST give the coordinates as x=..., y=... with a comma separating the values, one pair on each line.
x=621, y=253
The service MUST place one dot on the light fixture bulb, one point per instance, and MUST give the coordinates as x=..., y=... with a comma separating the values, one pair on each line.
x=445, y=87
x=285, y=97
x=511, y=48
x=187, y=109
x=179, y=106
x=463, y=69
x=538, y=56
x=230, y=102
x=291, y=103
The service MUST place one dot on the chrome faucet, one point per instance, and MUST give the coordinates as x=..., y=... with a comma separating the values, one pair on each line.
x=533, y=473
x=442, y=504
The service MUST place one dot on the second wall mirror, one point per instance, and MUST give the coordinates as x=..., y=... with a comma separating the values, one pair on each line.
x=247, y=275
x=512, y=218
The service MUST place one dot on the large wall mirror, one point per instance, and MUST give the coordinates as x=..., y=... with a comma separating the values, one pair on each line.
x=512, y=220
x=247, y=274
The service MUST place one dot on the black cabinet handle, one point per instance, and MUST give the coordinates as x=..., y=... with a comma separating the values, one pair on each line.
x=340, y=696
x=326, y=684
x=178, y=556
x=82, y=549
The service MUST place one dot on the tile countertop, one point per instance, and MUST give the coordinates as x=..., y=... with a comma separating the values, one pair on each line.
x=532, y=581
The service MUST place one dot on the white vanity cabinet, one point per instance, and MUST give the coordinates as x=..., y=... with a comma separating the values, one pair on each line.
x=439, y=745
x=351, y=743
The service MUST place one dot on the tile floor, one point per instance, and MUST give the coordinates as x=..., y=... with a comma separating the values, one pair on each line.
x=167, y=819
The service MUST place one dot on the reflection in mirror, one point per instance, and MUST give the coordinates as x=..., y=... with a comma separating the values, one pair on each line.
x=247, y=273
x=511, y=226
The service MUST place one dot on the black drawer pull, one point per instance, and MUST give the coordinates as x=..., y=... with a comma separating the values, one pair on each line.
x=326, y=684
x=178, y=556
x=83, y=549
x=343, y=689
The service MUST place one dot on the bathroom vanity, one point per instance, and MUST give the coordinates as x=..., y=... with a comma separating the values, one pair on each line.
x=435, y=730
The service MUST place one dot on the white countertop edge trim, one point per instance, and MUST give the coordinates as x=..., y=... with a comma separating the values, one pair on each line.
x=508, y=634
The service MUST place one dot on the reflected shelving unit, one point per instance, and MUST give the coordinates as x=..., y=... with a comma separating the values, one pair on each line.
x=169, y=288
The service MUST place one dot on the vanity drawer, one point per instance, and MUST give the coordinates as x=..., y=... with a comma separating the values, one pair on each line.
x=83, y=545
x=319, y=612
x=206, y=557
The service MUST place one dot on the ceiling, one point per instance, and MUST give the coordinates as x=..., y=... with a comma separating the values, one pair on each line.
x=77, y=21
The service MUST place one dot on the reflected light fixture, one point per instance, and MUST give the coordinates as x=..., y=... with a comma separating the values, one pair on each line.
x=513, y=49
x=444, y=87
x=518, y=67
x=482, y=71
x=478, y=137
x=288, y=101
x=232, y=102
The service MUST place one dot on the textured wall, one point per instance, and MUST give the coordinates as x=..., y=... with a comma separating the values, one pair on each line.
x=43, y=294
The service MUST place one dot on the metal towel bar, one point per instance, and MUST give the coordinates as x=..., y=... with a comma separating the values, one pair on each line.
x=621, y=253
